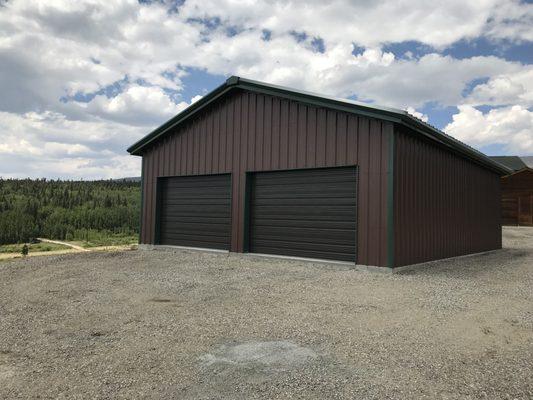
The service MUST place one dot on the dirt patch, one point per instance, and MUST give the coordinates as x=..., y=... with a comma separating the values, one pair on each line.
x=173, y=325
x=279, y=354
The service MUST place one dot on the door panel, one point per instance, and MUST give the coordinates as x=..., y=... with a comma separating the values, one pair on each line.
x=195, y=211
x=306, y=213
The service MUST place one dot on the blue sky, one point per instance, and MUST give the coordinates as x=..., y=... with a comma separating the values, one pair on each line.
x=83, y=80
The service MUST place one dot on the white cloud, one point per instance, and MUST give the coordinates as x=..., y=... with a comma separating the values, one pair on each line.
x=48, y=144
x=505, y=89
x=52, y=49
x=370, y=24
x=137, y=105
x=373, y=75
x=511, y=127
x=417, y=114
x=57, y=49
x=511, y=20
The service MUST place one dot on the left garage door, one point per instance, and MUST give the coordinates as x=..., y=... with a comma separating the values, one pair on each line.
x=195, y=211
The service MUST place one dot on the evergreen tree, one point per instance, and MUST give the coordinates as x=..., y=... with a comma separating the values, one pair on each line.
x=56, y=209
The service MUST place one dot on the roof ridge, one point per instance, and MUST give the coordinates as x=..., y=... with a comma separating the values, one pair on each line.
x=346, y=105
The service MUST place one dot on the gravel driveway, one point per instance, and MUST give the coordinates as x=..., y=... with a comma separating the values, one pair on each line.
x=190, y=325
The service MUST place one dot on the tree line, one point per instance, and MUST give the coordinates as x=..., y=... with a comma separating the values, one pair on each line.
x=66, y=210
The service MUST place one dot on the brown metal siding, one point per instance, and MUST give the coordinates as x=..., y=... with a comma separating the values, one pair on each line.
x=444, y=205
x=253, y=132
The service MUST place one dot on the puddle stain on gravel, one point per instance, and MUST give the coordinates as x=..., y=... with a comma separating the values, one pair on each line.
x=160, y=300
x=6, y=371
x=274, y=354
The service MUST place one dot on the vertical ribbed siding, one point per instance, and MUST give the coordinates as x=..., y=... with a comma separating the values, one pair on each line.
x=247, y=132
x=444, y=205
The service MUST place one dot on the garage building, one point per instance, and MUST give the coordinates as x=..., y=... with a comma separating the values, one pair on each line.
x=517, y=198
x=253, y=167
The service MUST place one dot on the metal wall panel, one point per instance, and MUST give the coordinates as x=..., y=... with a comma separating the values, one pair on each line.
x=247, y=131
x=444, y=205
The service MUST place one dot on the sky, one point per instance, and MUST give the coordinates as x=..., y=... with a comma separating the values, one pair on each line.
x=80, y=81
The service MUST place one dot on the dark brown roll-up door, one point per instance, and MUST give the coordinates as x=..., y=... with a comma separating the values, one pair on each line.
x=195, y=211
x=304, y=213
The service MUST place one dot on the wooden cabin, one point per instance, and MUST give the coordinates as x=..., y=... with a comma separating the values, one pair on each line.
x=517, y=198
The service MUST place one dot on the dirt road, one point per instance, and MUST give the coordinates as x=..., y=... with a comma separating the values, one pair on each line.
x=74, y=246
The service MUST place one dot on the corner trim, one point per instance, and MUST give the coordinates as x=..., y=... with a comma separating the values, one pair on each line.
x=142, y=201
x=390, y=200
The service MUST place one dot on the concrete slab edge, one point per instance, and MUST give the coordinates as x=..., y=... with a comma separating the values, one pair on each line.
x=357, y=267
x=165, y=247
x=293, y=258
x=427, y=264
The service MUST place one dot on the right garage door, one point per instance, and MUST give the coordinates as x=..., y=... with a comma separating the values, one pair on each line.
x=305, y=213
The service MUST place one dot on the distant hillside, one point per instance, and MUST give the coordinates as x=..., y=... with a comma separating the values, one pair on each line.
x=129, y=179
x=70, y=210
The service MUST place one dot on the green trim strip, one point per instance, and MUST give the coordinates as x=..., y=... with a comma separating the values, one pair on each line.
x=390, y=201
x=389, y=114
x=142, y=201
x=324, y=102
x=178, y=119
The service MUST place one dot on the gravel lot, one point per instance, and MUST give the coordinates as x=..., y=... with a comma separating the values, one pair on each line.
x=154, y=324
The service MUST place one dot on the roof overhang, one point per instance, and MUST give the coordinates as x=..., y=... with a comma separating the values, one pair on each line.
x=384, y=113
x=520, y=171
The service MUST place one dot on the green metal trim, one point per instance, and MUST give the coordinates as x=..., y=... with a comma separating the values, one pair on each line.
x=142, y=201
x=322, y=102
x=384, y=113
x=246, y=222
x=157, y=222
x=453, y=144
x=390, y=201
x=135, y=148
x=356, y=222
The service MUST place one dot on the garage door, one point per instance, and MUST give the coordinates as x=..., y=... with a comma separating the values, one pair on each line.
x=195, y=211
x=305, y=213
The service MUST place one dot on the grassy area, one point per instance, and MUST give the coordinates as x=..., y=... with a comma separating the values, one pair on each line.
x=94, y=239
x=99, y=239
x=32, y=248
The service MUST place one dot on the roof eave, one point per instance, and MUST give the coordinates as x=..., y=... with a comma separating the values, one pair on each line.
x=385, y=113
x=135, y=149
x=522, y=170
x=454, y=144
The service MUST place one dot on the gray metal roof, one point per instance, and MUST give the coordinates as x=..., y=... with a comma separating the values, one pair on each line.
x=385, y=113
x=528, y=160
x=513, y=162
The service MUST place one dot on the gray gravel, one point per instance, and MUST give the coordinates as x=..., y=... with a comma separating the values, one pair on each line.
x=153, y=324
